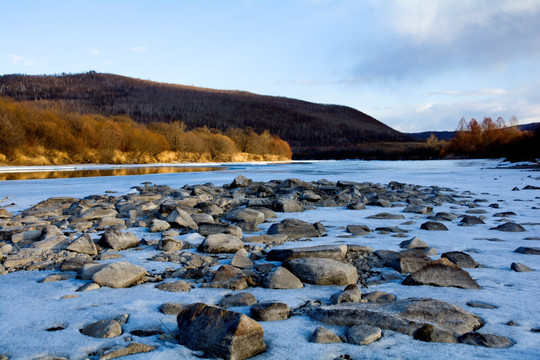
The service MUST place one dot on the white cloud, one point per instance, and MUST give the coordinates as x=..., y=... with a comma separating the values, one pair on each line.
x=480, y=92
x=139, y=49
x=92, y=51
x=21, y=60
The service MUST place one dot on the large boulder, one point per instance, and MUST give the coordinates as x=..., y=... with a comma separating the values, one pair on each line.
x=221, y=243
x=118, y=240
x=319, y=271
x=442, y=272
x=296, y=229
x=119, y=275
x=404, y=316
x=220, y=332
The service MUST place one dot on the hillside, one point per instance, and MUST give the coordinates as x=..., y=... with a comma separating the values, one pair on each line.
x=309, y=128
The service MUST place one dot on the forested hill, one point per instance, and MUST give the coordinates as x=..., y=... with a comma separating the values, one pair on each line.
x=302, y=124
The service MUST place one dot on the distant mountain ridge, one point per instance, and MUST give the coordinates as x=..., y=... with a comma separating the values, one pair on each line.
x=449, y=135
x=307, y=127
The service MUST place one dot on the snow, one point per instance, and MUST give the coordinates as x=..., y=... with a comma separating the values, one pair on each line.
x=27, y=307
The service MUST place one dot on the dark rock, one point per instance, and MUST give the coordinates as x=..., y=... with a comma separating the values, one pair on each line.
x=481, y=305
x=211, y=229
x=419, y=209
x=433, y=226
x=459, y=258
x=270, y=311
x=410, y=261
x=509, y=227
x=430, y=333
x=322, y=335
x=320, y=271
x=442, y=273
x=240, y=181
x=471, y=220
x=336, y=252
x=379, y=297
x=219, y=332
x=181, y=219
x=358, y=229
x=518, y=267
x=238, y=299
x=528, y=250
x=287, y=205
x=296, y=229
x=485, y=340
x=177, y=286
x=443, y=216
x=504, y=214
x=386, y=216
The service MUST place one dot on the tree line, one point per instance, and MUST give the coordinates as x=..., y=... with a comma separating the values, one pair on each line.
x=32, y=135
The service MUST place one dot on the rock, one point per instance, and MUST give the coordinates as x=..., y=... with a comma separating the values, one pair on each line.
x=245, y=214
x=103, y=329
x=404, y=316
x=119, y=275
x=269, y=311
x=336, y=252
x=363, y=334
x=430, y=333
x=386, y=216
x=98, y=212
x=83, y=245
x=4, y=214
x=296, y=229
x=485, y=340
x=433, y=226
x=177, y=286
x=380, y=202
x=320, y=271
x=322, y=335
x=518, y=267
x=159, y=226
x=443, y=216
x=56, y=277
x=471, y=220
x=281, y=278
x=268, y=213
x=287, y=205
x=172, y=308
x=240, y=181
x=75, y=263
x=211, y=229
x=220, y=243
x=238, y=299
x=88, y=287
x=460, y=258
x=442, y=273
x=481, y=305
x=419, y=209
x=241, y=260
x=51, y=207
x=219, y=332
x=414, y=243
x=379, y=297
x=351, y=294
x=181, y=219
x=528, y=250
x=509, y=227
x=358, y=229
x=131, y=349
x=228, y=277
x=410, y=261
x=270, y=240
x=172, y=245
x=202, y=218
x=118, y=240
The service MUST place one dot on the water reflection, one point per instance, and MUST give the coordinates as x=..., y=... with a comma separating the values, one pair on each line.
x=62, y=174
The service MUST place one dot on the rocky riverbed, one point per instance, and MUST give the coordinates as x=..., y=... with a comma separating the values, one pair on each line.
x=257, y=268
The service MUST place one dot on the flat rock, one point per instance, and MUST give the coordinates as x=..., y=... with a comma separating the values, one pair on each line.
x=211, y=229
x=518, y=267
x=481, y=305
x=246, y=214
x=118, y=240
x=296, y=229
x=336, y=252
x=419, y=209
x=433, y=226
x=442, y=273
x=320, y=271
x=358, y=229
x=281, y=278
x=172, y=308
x=131, y=349
x=528, y=250
x=103, y=329
x=177, y=286
x=430, y=333
x=461, y=259
x=322, y=335
x=386, y=216
x=509, y=227
x=443, y=216
x=379, y=297
x=270, y=240
x=83, y=245
x=238, y=299
x=220, y=332
x=269, y=311
x=471, y=220
x=119, y=275
x=221, y=243
x=414, y=243
x=404, y=316
x=363, y=334
x=485, y=340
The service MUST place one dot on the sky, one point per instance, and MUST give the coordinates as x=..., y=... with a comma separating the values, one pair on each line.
x=414, y=65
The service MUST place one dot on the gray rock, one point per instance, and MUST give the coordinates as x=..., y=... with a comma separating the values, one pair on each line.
x=485, y=340
x=430, y=333
x=211, y=229
x=131, y=349
x=386, y=216
x=414, y=243
x=363, y=334
x=351, y=294
x=443, y=216
x=177, y=286
x=172, y=308
x=118, y=240
x=471, y=220
x=238, y=299
x=219, y=332
x=281, y=278
x=504, y=214
x=241, y=260
x=83, y=245
x=404, y=316
x=181, y=219
x=509, y=227
x=248, y=215
x=221, y=243
x=320, y=271
x=159, y=226
x=433, y=226
x=336, y=252
x=358, y=229
x=119, y=275
x=442, y=273
x=410, y=261
x=481, y=305
x=379, y=297
x=202, y=218
x=240, y=181
x=103, y=329
x=171, y=245
x=296, y=229
x=322, y=335
x=270, y=240
x=269, y=311
x=518, y=267
x=528, y=250
x=228, y=277
x=287, y=205
x=460, y=258
x=419, y=209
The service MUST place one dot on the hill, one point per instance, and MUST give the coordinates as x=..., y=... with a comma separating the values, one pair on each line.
x=309, y=128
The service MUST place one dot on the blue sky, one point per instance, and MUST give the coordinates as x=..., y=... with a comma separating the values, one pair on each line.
x=415, y=65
